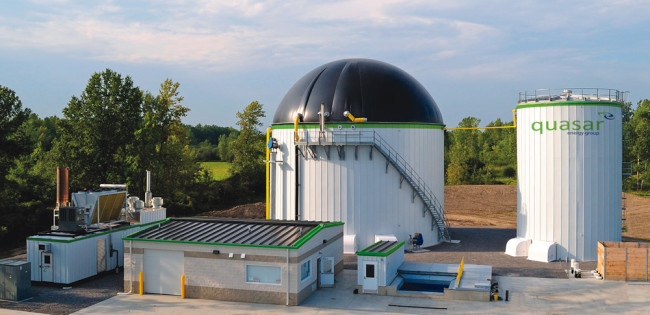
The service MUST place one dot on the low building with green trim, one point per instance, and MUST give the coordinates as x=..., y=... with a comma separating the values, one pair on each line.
x=378, y=265
x=260, y=261
x=65, y=258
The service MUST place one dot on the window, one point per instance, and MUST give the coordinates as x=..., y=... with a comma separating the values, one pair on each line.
x=370, y=271
x=305, y=270
x=263, y=274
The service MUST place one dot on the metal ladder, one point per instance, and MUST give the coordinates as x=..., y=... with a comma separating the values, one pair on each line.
x=373, y=139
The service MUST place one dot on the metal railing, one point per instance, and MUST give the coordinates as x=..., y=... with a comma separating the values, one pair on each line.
x=573, y=94
x=372, y=138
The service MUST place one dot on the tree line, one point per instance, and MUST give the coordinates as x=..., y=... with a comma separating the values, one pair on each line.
x=490, y=156
x=112, y=132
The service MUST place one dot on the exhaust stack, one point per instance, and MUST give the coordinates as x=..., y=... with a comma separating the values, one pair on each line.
x=62, y=187
x=147, y=194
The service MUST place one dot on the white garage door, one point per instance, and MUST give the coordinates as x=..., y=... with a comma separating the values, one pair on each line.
x=162, y=271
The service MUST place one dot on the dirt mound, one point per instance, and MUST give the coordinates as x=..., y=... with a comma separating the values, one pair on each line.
x=638, y=217
x=248, y=211
x=481, y=205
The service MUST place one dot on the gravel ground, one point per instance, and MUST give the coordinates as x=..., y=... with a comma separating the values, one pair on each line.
x=50, y=299
x=485, y=246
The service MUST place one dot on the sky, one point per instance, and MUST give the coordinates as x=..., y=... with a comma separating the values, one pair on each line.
x=473, y=57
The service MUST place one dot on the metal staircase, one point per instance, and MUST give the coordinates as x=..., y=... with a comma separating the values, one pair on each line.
x=374, y=140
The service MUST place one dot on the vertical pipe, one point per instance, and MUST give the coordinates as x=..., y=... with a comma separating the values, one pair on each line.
x=61, y=186
x=147, y=194
x=140, y=284
x=297, y=179
x=268, y=170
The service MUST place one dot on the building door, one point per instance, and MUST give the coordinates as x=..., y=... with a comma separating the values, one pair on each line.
x=162, y=271
x=47, y=272
x=369, y=276
x=326, y=272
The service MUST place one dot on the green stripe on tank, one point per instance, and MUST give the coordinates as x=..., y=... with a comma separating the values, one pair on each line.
x=360, y=125
x=610, y=104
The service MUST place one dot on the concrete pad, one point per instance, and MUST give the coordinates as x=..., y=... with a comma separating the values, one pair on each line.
x=527, y=295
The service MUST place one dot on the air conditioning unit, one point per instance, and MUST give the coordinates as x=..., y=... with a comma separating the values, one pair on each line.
x=71, y=219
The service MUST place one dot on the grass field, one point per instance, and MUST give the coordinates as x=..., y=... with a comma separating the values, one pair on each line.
x=219, y=170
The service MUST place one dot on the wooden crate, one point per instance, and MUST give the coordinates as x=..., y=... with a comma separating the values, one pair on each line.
x=623, y=260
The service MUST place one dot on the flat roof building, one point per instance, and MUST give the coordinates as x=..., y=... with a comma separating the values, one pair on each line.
x=276, y=262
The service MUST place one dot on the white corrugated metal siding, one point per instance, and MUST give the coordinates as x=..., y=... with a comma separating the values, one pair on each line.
x=569, y=185
x=74, y=259
x=361, y=192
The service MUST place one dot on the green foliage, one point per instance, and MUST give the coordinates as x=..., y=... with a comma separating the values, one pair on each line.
x=249, y=149
x=97, y=132
x=478, y=157
x=639, y=129
x=225, y=147
x=211, y=133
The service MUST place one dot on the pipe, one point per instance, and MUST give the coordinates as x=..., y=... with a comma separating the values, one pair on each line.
x=288, y=277
x=296, y=120
x=61, y=187
x=268, y=170
x=514, y=125
x=147, y=194
x=297, y=180
x=354, y=119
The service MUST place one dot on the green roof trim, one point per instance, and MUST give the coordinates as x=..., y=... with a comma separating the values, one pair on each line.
x=301, y=241
x=361, y=125
x=41, y=239
x=610, y=104
x=364, y=252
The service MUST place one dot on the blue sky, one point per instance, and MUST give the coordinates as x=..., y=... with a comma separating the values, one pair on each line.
x=472, y=56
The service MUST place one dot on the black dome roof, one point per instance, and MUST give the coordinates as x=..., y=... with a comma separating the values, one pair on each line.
x=366, y=88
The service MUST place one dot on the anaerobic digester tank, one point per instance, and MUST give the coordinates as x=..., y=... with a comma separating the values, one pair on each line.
x=360, y=141
x=569, y=154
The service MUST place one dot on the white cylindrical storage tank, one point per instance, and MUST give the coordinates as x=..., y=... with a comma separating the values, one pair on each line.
x=569, y=159
x=371, y=175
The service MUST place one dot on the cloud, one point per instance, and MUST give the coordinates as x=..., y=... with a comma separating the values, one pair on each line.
x=492, y=40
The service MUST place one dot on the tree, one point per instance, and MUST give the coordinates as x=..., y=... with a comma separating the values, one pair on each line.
x=163, y=146
x=640, y=124
x=98, y=129
x=225, y=146
x=463, y=153
x=249, y=149
x=12, y=142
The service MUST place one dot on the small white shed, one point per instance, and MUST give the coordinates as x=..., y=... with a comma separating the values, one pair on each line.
x=377, y=265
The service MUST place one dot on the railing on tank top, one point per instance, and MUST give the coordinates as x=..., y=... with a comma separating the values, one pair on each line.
x=574, y=94
x=372, y=138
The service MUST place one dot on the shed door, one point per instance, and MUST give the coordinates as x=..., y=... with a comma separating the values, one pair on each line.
x=162, y=271
x=47, y=272
x=370, y=276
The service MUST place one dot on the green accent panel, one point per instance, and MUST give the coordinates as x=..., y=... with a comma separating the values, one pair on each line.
x=301, y=241
x=361, y=125
x=384, y=254
x=40, y=239
x=610, y=104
